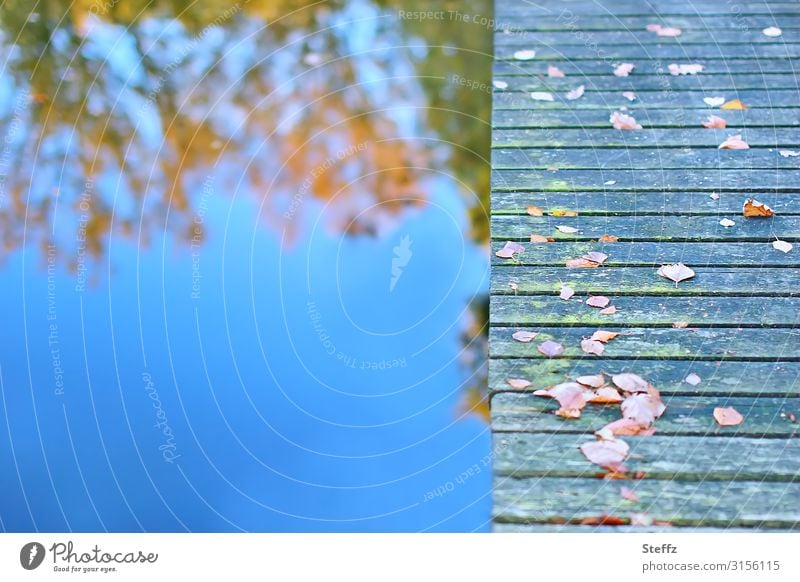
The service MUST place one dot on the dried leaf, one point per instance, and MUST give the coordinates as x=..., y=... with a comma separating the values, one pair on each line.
x=782, y=245
x=608, y=454
x=595, y=380
x=693, y=69
x=513, y=286
x=576, y=93
x=728, y=416
x=788, y=153
x=604, y=336
x=653, y=27
x=551, y=349
x=610, y=238
x=566, y=229
x=609, y=182
x=734, y=142
x=500, y=85
x=518, y=383
x=727, y=222
x=669, y=32
x=714, y=196
x=509, y=250
x=735, y=104
x=754, y=209
x=524, y=55
x=624, y=69
x=606, y=395
x=714, y=101
x=570, y=396
x=537, y=238
x=680, y=324
x=566, y=293
x=542, y=96
x=596, y=257
x=626, y=427
x=628, y=494
x=591, y=346
x=581, y=263
x=608, y=520
x=692, y=379
x=630, y=382
x=598, y=301
x=535, y=211
x=677, y=272
x=772, y=32
x=524, y=336
x=642, y=408
x=621, y=121
x=553, y=71
x=629, y=95
x=559, y=212
x=641, y=519
x=715, y=122
x=610, y=310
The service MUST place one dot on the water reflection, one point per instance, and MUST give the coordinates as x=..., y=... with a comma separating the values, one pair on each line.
x=244, y=287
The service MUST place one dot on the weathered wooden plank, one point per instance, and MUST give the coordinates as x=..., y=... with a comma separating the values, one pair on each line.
x=637, y=203
x=724, y=378
x=647, y=137
x=664, y=228
x=685, y=415
x=610, y=100
x=735, y=66
x=716, y=310
x=708, y=159
x=651, y=254
x=709, y=24
x=709, y=344
x=545, y=528
x=671, y=52
x=657, y=118
x=641, y=37
x=720, y=83
x=724, y=505
x=577, y=11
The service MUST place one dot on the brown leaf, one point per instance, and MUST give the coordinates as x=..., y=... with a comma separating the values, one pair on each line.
x=606, y=395
x=537, y=238
x=566, y=293
x=754, y=209
x=628, y=494
x=598, y=301
x=553, y=71
x=509, y=250
x=591, y=346
x=728, y=416
x=524, y=336
x=735, y=104
x=608, y=238
x=535, y=211
x=734, y=142
x=551, y=349
x=518, y=383
x=626, y=427
x=604, y=336
x=715, y=122
x=608, y=454
x=677, y=272
x=621, y=121
x=610, y=520
x=624, y=69
x=595, y=380
x=642, y=408
x=610, y=310
x=630, y=382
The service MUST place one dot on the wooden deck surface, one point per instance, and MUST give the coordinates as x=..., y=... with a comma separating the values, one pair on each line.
x=662, y=190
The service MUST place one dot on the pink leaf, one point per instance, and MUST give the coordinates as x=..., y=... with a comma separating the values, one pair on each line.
x=551, y=349
x=693, y=69
x=669, y=31
x=524, y=336
x=576, y=93
x=518, y=383
x=553, y=71
x=591, y=346
x=595, y=380
x=624, y=69
x=509, y=250
x=608, y=454
x=734, y=142
x=622, y=121
x=728, y=416
x=630, y=382
x=715, y=122
x=629, y=494
x=598, y=301
x=677, y=272
x=566, y=293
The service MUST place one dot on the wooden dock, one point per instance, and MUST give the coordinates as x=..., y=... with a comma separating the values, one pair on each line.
x=725, y=338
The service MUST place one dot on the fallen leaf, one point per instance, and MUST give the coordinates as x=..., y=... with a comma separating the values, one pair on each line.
x=621, y=121
x=596, y=257
x=608, y=520
x=553, y=71
x=537, y=238
x=735, y=104
x=524, y=55
x=566, y=229
x=535, y=211
x=524, y=336
x=680, y=324
x=594, y=380
x=624, y=69
x=728, y=416
x=552, y=169
x=604, y=336
x=551, y=349
x=782, y=245
x=630, y=382
x=609, y=183
x=626, y=427
x=653, y=27
x=642, y=408
x=571, y=396
x=693, y=69
x=608, y=454
x=608, y=238
x=513, y=286
x=734, y=142
x=518, y=383
x=677, y=272
x=591, y=346
x=576, y=93
x=610, y=310
x=754, y=209
x=581, y=263
x=566, y=293
x=559, y=212
x=641, y=519
x=542, y=96
x=598, y=301
x=715, y=122
x=727, y=222
x=629, y=494
x=692, y=379
x=606, y=395
x=714, y=196
x=568, y=412
x=714, y=101
x=500, y=85
x=669, y=31
x=788, y=153
x=509, y=250
x=772, y=31
x=629, y=95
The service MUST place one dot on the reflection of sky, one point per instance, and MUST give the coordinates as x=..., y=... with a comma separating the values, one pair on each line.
x=275, y=423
